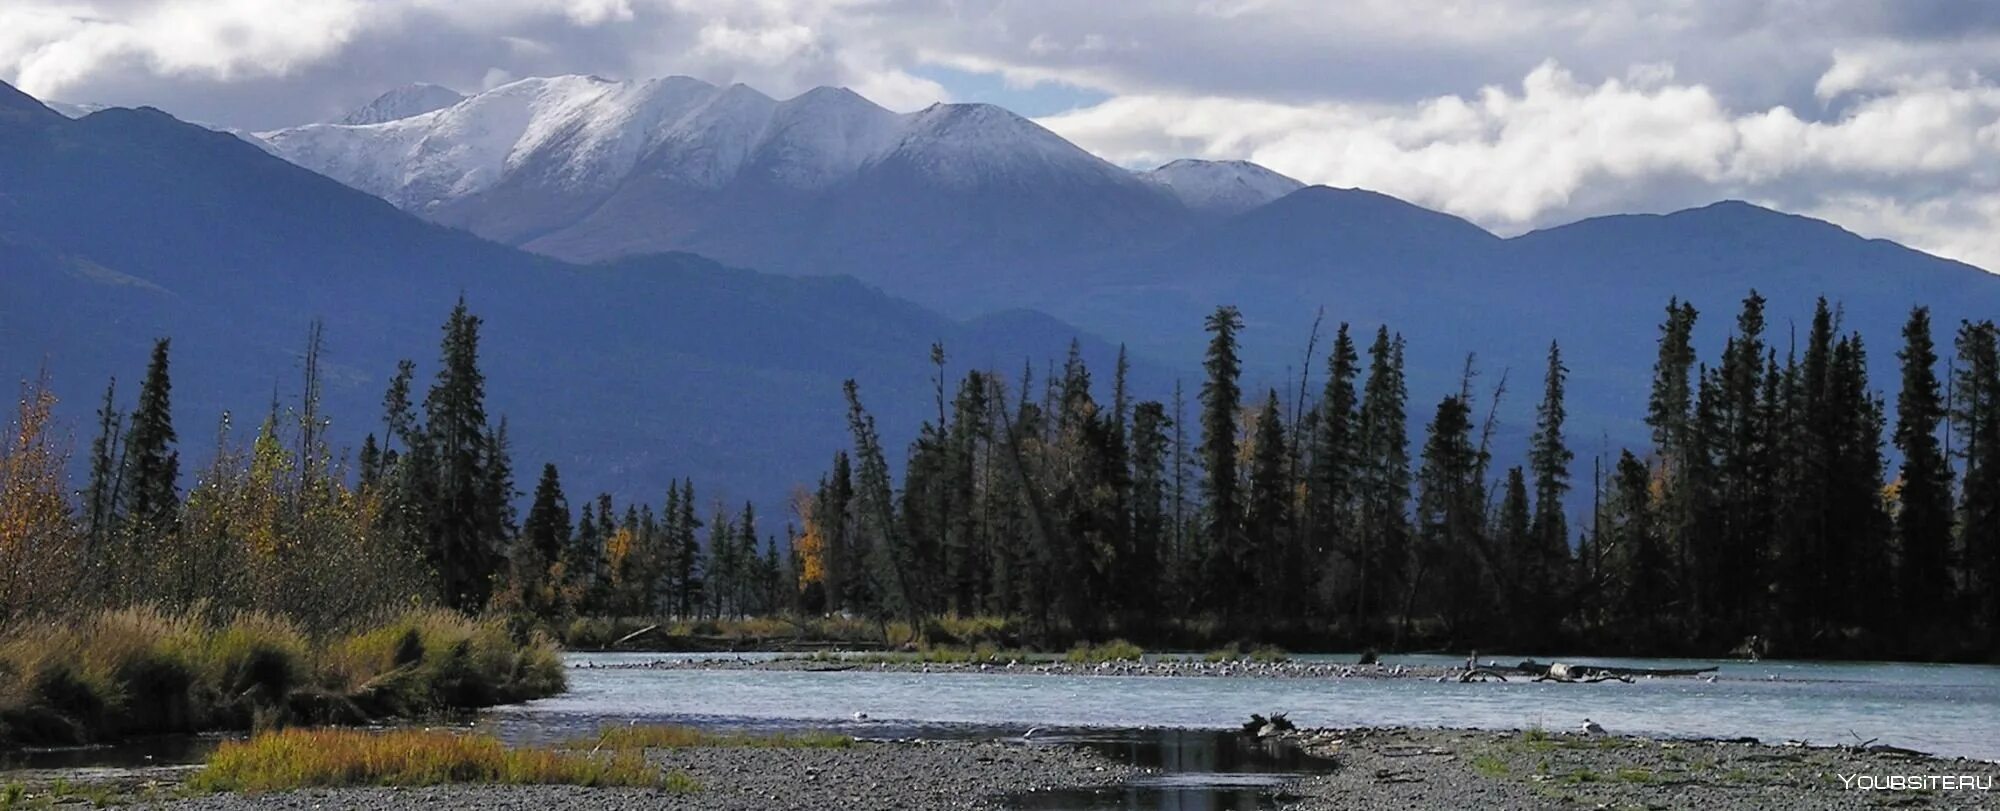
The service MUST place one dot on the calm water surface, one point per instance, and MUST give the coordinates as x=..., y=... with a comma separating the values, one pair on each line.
x=1944, y=709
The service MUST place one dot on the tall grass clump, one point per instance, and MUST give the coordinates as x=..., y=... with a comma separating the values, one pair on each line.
x=300, y=758
x=433, y=659
x=142, y=670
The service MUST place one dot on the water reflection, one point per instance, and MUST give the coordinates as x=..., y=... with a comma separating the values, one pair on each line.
x=1193, y=770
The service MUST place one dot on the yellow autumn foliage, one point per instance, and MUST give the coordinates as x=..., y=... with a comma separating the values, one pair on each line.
x=40, y=547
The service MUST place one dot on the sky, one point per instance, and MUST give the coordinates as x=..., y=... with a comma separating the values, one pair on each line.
x=1880, y=115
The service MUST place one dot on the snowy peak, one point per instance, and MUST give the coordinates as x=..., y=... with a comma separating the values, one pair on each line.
x=964, y=144
x=404, y=102
x=1221, y=187
x=823, y=136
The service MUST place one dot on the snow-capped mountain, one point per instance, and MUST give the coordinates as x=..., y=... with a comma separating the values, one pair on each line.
x=585, y=168
x=1222, y=187
x=403, y=102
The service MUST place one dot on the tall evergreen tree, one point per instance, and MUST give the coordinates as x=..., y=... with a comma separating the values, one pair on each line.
x=1543, y=567
x=1746, y=390
x=1383, y=528
x=1633, y=551
x=101, y=496
x=1517, y=552
x=892, y=556
x=1976, y=418
x=1924, y=514
x=1451, y=503
x=465, y=527
x=1151, y=523
x=1332, y=478
x=547, y=530
x=1221, y=396
x=1275, y=570
x=151, y=494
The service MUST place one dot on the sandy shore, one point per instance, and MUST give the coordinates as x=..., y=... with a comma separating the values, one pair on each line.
x=1368, y=768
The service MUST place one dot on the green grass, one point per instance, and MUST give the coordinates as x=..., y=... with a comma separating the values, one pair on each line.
x=298, y=758
x=632, y=738
x=1633, y=774
x=1490, y=765
x=1581, y=776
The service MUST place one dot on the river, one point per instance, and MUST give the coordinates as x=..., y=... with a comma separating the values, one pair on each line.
x=1949, y=710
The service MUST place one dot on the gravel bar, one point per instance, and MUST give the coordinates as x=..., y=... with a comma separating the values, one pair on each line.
x=868, y=775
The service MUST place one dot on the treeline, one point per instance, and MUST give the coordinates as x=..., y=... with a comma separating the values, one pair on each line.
x=1764, y=519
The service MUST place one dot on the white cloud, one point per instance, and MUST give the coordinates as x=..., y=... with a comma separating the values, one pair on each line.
x=1555, y=148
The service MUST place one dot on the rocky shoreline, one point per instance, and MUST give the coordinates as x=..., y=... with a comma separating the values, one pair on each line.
x=1363, y=768
x=1404, y=768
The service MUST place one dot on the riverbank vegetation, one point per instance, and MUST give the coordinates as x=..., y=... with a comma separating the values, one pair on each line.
x=278, y=588
x=136, y=671
x=300, y=758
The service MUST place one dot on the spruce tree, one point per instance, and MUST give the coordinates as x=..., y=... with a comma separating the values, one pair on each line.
x=1451, y=503
x=1514, y=541
x=891, y=555
x=1151, y=524
x=1976, y=419
x=546, y=533
x=1222, y=526
x=1747, y=389
x=1924, y=514
x=1275, y=572
x=1332, y=478
x=466, y=527
x=1543, y=567
x=101, y=496
x=1636, y=559
x=1384, y=479
x=151, y=475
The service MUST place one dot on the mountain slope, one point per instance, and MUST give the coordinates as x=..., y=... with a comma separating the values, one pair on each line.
x=127, y=225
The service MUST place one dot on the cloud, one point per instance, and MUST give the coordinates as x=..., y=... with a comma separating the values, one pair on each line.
x=1920, y=162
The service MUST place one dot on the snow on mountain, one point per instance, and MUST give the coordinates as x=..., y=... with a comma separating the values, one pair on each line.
x=69, y=110
x=403, y=102
x=1221, y=187
x=586, y=133
x=822, y=136
x=421, y=161
x=961, y=145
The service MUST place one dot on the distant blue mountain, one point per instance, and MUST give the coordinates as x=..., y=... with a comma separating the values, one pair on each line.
x=127, y=225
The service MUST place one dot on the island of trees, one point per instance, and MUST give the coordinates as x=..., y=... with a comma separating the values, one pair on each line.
x=1779, y=510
